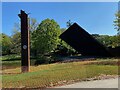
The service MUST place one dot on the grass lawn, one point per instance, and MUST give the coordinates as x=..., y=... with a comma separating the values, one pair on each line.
x=12, y=61
x=10, y=57
x=58, y=73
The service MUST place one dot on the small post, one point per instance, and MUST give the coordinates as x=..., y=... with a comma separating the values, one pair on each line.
x=25, y=46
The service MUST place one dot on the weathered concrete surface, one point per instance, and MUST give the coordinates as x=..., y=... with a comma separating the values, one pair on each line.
x=107, y=83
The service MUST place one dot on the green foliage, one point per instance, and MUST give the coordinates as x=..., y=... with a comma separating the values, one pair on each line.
x=108, y=41
x=33, y=24
x=69, y=23
x=5, y=43
x=10, y=57
x=16, y=28
x=62, y=30
x=0, y=44
x=115, y=40
x=65, y=49
x=46, y=37
x=117, y=21
x=42, y=60
x=16, y=43
x=16, y=37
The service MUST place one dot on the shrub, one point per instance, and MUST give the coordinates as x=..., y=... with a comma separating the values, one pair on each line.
x=41, y=60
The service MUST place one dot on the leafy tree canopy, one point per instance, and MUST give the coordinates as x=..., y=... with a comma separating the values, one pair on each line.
x=117, y=22
x=5, y=43
x=46, y=37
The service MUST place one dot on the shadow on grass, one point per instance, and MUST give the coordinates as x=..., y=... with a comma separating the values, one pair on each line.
x=11, y=73
x=13, y=59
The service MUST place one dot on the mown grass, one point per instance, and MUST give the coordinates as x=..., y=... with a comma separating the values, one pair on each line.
x=14, y=64
x=12, y=57
x=54, y=74
x=109, y=61
x=12, y=61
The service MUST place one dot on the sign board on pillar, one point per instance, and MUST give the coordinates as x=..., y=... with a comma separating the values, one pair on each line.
x=25, y=48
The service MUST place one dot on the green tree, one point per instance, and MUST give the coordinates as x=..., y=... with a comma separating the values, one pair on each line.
x=46, y=37
x=62, y=30
x=117, y=27
x=16, y=42
x=104, y=39
x=115, y=41
x=63, y=47
x=33, y=24
x=16, y=36
x=0, y=44
x=5, y=43
x=69, y=23
x=108, y=41
x=117, y=22
x=16, y=39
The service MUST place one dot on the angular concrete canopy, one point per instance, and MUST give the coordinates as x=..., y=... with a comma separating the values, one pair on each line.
x=83, y=42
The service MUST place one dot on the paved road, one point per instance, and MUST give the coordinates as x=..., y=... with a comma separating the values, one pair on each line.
x=108, y=83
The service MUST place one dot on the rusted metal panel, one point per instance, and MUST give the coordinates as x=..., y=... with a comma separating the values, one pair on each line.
x=83, y=42
x=25, y=48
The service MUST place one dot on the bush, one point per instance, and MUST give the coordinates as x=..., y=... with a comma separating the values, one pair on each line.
x=11, y=57
x=41, y=60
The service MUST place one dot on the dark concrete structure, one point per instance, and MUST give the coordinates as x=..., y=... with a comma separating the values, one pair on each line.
x=83, y=42
x=25, y=48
